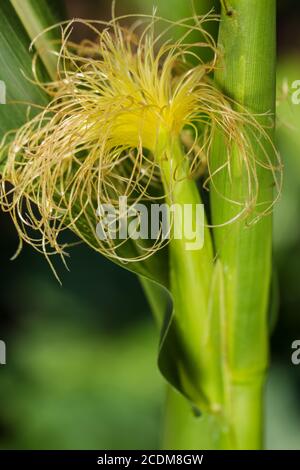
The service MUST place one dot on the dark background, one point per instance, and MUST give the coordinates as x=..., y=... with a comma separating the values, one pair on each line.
x=81, y=359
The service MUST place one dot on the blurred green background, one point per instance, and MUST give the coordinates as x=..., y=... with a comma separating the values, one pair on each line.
x=81, y=359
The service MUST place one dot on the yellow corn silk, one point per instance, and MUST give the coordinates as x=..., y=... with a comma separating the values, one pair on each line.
x=118, y=106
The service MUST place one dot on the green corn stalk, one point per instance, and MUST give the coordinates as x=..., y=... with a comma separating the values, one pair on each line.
x=246, y=74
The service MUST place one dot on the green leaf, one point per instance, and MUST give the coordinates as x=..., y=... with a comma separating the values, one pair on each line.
x=15, y=58
x=15, y=66
x=36, y=16
x=20, y=22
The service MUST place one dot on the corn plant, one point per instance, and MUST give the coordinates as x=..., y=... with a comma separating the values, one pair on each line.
x=156, y=110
